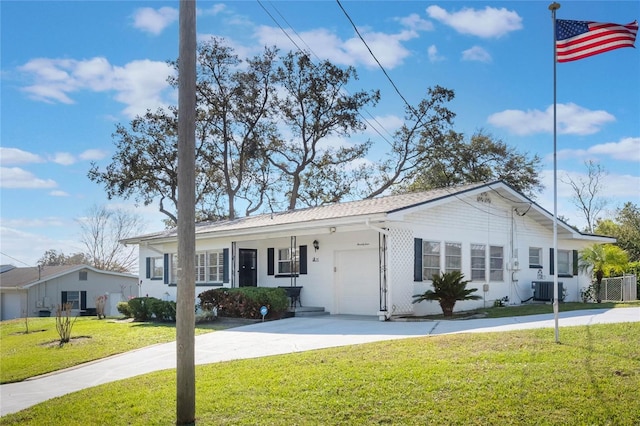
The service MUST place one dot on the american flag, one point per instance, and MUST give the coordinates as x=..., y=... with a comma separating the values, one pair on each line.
x=580, y=39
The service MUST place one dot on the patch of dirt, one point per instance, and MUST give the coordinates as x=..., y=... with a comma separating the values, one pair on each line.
x=79, y=340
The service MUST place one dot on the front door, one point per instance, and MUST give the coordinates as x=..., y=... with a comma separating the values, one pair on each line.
x=248, y=263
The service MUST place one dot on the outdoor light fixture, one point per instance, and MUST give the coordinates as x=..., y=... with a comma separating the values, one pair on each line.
x=316, y=244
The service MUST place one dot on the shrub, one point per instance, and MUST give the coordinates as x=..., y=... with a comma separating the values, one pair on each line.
x=123, y=308
x=140, y=308
x=448, y=288
x=245, y=302
x=162, y=310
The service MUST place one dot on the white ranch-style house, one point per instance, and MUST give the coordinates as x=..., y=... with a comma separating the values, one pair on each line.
x=370, y=257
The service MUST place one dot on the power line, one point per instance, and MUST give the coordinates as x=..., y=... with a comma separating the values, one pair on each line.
x=284, y=31
x=13, y=258
x=378, y=62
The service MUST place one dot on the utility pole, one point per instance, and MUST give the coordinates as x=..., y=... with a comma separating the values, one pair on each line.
x=185, y=313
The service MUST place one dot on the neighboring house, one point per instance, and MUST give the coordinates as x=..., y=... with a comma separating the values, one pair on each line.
x=37, y=291
x=370, y=257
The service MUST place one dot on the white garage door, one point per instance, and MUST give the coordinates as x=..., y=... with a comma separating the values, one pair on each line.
x=10, y=306
x=357, y=282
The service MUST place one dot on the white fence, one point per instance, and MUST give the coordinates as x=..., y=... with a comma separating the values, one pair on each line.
x=619, y=288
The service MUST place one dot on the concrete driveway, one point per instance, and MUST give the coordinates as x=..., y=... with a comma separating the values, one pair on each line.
x=274, y=338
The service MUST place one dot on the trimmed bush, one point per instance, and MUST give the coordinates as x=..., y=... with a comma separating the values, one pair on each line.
x=245, y=302
x=162, y=310
x=140, y=308
x=123, y=308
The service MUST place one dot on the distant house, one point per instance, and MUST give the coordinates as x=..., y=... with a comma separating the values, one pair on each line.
x=370, y=257
x=37, y=291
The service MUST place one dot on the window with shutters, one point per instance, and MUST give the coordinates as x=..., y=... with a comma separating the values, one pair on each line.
x=430, y=259
x=565, y=266
x=157, y=267
x=209, y=267
x=73, y=297
x=288, y=259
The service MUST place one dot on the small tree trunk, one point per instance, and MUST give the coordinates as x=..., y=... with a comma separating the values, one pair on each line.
x=447, y=307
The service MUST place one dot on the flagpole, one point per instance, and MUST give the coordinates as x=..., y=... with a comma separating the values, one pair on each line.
x=553, y=7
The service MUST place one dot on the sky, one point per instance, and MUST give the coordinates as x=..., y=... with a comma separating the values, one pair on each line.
x=71, y=71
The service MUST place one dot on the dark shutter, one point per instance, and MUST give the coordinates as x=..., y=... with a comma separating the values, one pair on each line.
x=166, y=270
x=575, y=262
x=417, y=259
x=83, y=300
x=303, y=259
x=270, y=260
x=148, y=267
x=225, y=265
x=64, y=297
x=551, y=263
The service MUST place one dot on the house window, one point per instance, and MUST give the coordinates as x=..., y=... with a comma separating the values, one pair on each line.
x=77, y=299
x=157, y=268
x=287, y=259
x=174, y=269
x=478, y=262
x=535, y=257
x=453, y=257
x=82, y=275
x=496, y=263
x=215, y=266
x=201, y=267
x=430, y=259
x=209, y=267
x=565, y=266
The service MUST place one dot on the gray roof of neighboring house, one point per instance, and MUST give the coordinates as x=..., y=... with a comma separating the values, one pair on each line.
x=25, y=277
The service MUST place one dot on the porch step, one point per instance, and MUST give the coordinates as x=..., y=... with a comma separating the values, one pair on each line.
x=308, y=311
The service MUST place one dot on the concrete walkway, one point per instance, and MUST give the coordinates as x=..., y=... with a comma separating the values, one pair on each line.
x=274, y=338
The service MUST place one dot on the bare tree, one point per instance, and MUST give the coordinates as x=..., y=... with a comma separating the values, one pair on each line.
x=102, y=230
x=587, y=193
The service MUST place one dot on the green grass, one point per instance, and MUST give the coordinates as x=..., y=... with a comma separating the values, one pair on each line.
x=37, y=352
x=514, y=378
x=543, y=308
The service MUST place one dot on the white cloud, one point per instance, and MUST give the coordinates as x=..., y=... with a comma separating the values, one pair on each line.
x=415, y=22
x=154, y=21
x=29, y=246
x=628, y=149
x=63, y=158
x=476, y=53
x=59, y=193
x=487, y=23
x=15, y=177
x=93, y=154
x=388, y=48
x=212, y=11
x=571, y=119
x=11, y=156
x=140, y=85
x=434, y=56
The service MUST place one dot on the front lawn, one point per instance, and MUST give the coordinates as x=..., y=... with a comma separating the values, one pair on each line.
x=513, y=378
x=30, y=354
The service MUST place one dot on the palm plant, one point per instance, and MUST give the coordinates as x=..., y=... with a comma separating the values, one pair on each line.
x=448, y=288
x=601, y=260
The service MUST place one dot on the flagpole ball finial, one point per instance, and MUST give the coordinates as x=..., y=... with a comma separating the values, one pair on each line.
x=554, y=6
